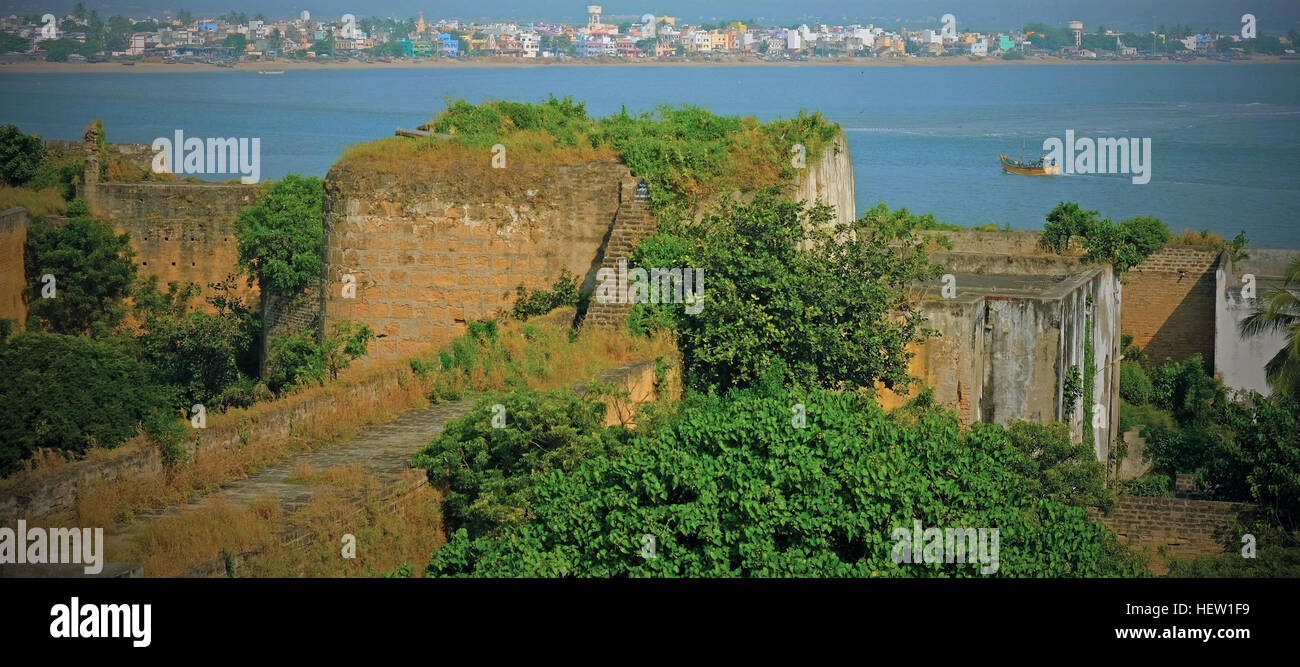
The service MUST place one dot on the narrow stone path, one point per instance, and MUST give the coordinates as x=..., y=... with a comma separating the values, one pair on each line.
x=383, y=451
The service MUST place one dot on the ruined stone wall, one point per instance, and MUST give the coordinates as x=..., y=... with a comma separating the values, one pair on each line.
x=179, y=231
x=829, y=180
x=363, y=396
x=430, y=255
x=1004, y=354
x=1173, y=527
x=1170, y=301
x=13, y=236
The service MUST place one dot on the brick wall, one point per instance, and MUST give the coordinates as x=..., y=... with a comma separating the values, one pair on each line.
x=1169, y=303
x=428, y=255
x=13, y=235
x=1173, y=527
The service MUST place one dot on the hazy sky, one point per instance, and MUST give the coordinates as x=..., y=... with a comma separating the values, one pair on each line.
x=1274, y=16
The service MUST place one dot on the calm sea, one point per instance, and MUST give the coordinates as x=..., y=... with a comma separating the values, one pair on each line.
x=1225, y=145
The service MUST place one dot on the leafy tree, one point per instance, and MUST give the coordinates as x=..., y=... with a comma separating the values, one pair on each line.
x=1123, y=246
x=324, y=47
x=783, y=288
x=280, y=236
x=1278, y=310
x=1057, y=469
x=93, y=273
x=69, y=392
x=490, y=473
x=299, y=360
x=20, y=155
x=198, y=352
x=10, y=43
x=235, y=42
x=730, y=488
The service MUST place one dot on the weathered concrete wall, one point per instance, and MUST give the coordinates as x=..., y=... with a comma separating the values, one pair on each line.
x=1173, y=527
x=1239, y=360
x=1170, y=299
x=1007, y=342
x=13, y=236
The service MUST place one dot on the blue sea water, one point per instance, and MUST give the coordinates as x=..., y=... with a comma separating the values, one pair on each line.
x=1225, y=146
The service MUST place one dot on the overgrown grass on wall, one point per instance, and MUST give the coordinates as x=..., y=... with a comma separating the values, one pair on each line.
x=685, y=154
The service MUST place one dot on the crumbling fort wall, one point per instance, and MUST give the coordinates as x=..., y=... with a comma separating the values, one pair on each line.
x=13, y=236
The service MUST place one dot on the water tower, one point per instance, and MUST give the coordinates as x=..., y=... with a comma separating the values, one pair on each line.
x=593, y=17
x=1076, y=27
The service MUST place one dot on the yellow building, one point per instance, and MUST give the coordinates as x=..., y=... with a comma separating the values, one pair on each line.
x=719, y=41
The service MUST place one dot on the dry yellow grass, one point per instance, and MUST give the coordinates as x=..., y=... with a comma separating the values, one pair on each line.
x=168, y=546
x=37, y=202
x=537, y=354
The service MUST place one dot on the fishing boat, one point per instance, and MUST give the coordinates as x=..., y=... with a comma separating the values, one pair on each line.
x=270, y=71
x=1043, y=167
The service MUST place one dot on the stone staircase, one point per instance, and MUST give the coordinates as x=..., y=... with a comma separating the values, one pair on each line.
x=632, y=223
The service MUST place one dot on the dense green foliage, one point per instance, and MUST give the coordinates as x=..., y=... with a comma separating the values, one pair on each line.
x=489, y=473
x=300, y=360
x=1056, y=469
x=20, y=155
x=1122, y=245
x=93, y=273
x=529, y=303
x=69, y=392
x=203, y=354
x=783, y=289
x=684, y=154
x=280, y=236
x=729, y=487
x=1241, y=450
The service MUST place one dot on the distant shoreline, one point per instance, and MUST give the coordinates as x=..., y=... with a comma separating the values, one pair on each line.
x=45, y=67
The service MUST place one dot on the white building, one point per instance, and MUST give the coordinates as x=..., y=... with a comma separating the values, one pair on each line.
x=530, y=43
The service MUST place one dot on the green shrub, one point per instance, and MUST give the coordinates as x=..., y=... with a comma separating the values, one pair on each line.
x=490, y=472
x=1054, y=468
x=564, y=292
x=299, y=360
x=1134, y=385
x=1152, y=484
x=729, y=488
x=69, y=392
x=20, y=155
x=93, y=274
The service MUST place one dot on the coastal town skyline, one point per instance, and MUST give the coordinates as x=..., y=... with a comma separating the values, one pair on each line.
x=985, y=14
x=226, y=39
